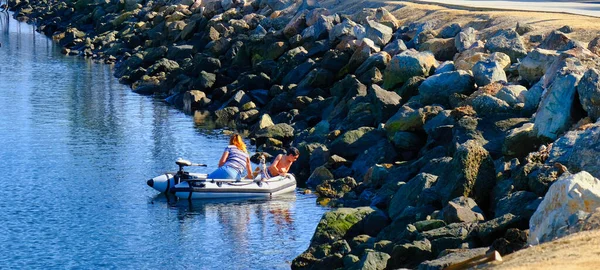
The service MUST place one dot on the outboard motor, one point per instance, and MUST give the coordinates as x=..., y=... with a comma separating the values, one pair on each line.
x=165, y=182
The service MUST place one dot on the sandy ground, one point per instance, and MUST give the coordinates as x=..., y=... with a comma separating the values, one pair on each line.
x=577, y=251
x=487, y=21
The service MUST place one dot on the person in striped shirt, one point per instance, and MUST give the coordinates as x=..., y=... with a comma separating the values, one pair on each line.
x=234, y=161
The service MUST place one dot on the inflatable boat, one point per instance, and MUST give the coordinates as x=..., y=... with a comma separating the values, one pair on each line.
x=192, y=186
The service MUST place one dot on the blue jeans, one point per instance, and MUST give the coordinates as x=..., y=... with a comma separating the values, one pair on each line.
x=225, y=172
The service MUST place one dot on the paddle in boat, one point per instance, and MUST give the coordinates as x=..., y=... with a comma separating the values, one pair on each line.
x=186, y=185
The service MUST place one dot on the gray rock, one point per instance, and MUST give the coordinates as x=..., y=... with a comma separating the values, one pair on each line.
x=340, y=30
x=557, y=41
x=589, y=93
x=408, y=141
x=409, y=119
x=447, y=66
x=465, y=39
x=569, y=195
x=521, y=141
x=507, y=41
x=381, y=151
x=437, y=89
x=408, y=194
x=594, y=45
x=462, y=209
x=410, y=255
x=318, y=30
x=426, y=225
x=282, y=132
x=385, y=103
x=406, y=65
x=372, y=260
x=162, y=65
x=520, y=203
x=578, y=150
x=535, y=64
x=496, y=228
x=452, y=258
x=511, y=94
x=523, y=28
x=354, y=142
x=454, y=230
x=486, y=72
x=410, y=88
x=337, y=224
x=395, y=47
x=489, y=105
x=319, y=176
x=379, y=33
x=473, y=174
x=442, y=48
x=553, y=116
x=332, y=188
x=379, y=60
x=532, y=98
x=450, y=31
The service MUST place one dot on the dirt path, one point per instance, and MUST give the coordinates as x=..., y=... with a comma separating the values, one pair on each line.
x=585, y=27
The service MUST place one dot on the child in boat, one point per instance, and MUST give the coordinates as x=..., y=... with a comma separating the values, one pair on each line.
x=234, y=161
x=281, y=165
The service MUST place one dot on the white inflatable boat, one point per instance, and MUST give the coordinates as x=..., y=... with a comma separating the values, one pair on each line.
x=197, y=186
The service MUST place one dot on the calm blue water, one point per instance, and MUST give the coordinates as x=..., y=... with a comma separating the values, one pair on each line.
x=76, y=150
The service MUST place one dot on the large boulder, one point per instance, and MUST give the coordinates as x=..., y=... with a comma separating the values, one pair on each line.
x=385, y=103
x=462, y=209
x=442, y=48
x=589, y=93
x=409, y=193
x=438, y=88
x=578, y=150
x=507, y=41
x=342, y=223
x=535, y=64
x=379, y=33
x=520, y=203
x=465, y=39
x=486, y=72
x=281, y=131
x=557, y=41
x=553, y=116
x=566, y=197
x=343, y=29
x=452, y=258
x=319, y=176
x=409, y=119
x=406, y=65
x=594, y=45
x=354, y=142
x=372, y=260
x=381, y=151
x=520, y=141
x=473, y=174
x=489, y=105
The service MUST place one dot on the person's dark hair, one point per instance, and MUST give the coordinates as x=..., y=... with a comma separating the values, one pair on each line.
x=293, y=151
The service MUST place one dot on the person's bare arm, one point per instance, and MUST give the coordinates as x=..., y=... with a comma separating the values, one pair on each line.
x=275, y=163
x=223, y=158
x=249, y=169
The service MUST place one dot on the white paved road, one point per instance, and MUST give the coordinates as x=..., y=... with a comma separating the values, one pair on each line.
x=589, y=8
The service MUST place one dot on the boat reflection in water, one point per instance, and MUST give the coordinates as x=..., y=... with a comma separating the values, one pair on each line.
x=244, y=232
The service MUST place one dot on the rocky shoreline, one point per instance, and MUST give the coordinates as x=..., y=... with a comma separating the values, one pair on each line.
x=436, y=142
